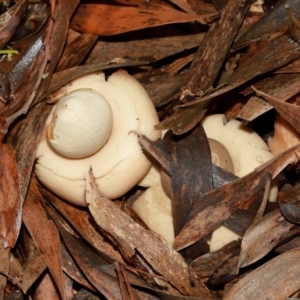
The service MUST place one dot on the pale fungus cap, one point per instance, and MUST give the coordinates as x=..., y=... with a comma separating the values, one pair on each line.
x=119, y=163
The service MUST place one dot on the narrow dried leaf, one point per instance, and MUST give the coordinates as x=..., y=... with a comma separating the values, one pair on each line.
x=290, y=112
x=263, y=57
x=10, y=20
x=207, y=264
x=58, y=29
x=70, y=267
x=183, y=4
x=274, y=20
x=75, y=52
x=89, y=261
x=291, y=212
x=281, y=86
x=36, y=16
x=158, y=150
x=34, y=267
x=263, y=236
x=163, y=87
x=25, y=79
x=46, y=289
x=152, y=46
x=266, y=56
x=44, y=234
x=4, y=266
x=292, y=67
x=124, y=18
x=277, y=279
x=188, y=180
x=225, y=273
x=216, y=206
x=5, y=89
x=133, y=239
x=80, y=219
x=184, y=119
x=24, y=137
x=10, y=195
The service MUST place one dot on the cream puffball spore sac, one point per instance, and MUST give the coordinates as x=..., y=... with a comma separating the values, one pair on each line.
x=81, y=124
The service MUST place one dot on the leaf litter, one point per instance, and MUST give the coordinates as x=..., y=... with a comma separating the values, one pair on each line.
x=194, y=58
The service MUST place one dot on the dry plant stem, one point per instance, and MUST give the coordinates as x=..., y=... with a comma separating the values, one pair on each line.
x=214, y=48
x=12, y=280
x=264, y=202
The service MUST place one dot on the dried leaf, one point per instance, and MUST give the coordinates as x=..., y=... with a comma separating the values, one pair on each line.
x=291, y=212
x=34, y=267
x=207, y=264
x=44, y=234
x=290, y=112
x=61, y=11
x=265, y=56
x=276, y=280
x=124, y=18
x=80, y=219
x=162, y=87
x=188, y=180
x=225, y=273
x=274, y=20
x=24, y=137
x=183, y=4
x=282, y=86
x=70, y=267
x=89, y=261
x=216, y=206
x=263, y=236
x=10, y=20
x=4, y=266
x=133, y=240
x=5, y=89
x=46, y=289
x=152, y=46
x=184, y=119
x=24, y=78
x=36, y=16
x=160, y=152
x=10, y=195
x=75, y=52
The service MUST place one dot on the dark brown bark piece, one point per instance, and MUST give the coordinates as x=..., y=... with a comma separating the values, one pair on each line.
x=191, y=173
x=214, y=49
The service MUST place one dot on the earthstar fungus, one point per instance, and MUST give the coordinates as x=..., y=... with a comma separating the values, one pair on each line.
x=105, y=137
x=234, y=147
